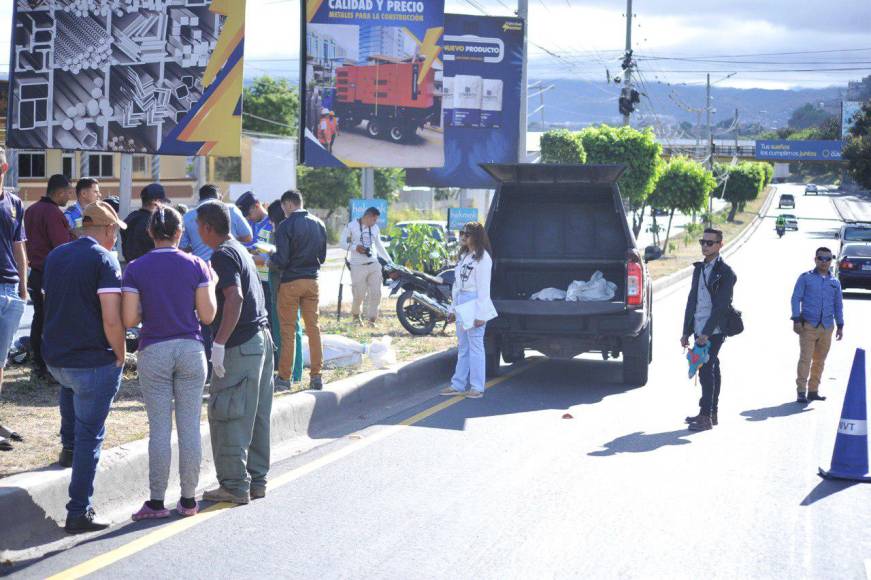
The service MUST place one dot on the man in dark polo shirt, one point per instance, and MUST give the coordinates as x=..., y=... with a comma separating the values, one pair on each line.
x=240, y=401
x=83, y=344
x=47, y=228
x=135, y=240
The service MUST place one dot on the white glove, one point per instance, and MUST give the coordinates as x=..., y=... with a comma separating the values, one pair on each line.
x=218, y=360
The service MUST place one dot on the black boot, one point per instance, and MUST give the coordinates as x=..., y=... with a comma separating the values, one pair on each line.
x=703, y=424
x=66, y=457
x=815, y=396
x=87, y=522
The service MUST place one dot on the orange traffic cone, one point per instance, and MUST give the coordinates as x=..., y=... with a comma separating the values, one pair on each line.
x=850, y=458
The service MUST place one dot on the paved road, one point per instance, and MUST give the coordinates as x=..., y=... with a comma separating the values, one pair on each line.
x=855, y=206
x=505, y=487
x=426, y=149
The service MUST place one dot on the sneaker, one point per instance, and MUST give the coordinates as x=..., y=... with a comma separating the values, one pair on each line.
x=87, y=522
x=316, y=383
x=222, y=494
x=65, y=459
x=146, y=513
x=802, y=398
x=473, y=394
x=451, y=392
x=282, y=384
x=815, y=396
x=696, y=418
x=258, y=491
x=703, y=424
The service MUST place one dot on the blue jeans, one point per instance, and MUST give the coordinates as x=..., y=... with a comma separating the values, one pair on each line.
x=85, y=398
x=11, y=309
x=471, y=364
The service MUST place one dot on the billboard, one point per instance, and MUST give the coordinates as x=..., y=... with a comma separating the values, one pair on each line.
x=458, y=217
x=359, y=207
x=798, y=150
x=370, y=82
x=483, y=59
x=136, y=77
x=849, y=110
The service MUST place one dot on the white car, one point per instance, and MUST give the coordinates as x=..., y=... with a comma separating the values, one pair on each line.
x=791, y=221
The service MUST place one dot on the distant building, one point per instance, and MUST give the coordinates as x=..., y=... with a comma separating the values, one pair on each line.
x=389, y=41
x=859, y=90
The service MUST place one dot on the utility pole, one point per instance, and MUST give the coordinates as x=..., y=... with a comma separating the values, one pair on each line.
x=736, y=132
x=710, y=130
x=523, y=12
x=627, y=73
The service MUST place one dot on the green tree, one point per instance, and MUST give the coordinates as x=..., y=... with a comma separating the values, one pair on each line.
x=388, y=183
x=270, y=106
x=641, y=154
x=328, y=188
x=562, y=146
x=857, y=149
x=743, y=183
x=683, y=186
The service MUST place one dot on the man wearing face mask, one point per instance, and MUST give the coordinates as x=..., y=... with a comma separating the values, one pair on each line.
x=707, y=309
x=362, y=239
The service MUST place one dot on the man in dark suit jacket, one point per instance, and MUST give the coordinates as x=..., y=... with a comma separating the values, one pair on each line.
x=707, y=311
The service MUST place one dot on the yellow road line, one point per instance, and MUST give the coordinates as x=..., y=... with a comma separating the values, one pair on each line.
x=179, y=526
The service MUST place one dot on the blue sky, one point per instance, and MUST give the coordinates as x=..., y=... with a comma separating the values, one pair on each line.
x=588, y=35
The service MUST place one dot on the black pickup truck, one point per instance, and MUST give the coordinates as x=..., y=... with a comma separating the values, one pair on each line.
x=550, y=225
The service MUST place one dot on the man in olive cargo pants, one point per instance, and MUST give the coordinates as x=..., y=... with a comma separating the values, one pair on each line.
x=240, y=401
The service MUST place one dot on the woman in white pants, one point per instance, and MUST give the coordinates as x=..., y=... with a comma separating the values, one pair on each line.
x=472, y=308
x=172, y=293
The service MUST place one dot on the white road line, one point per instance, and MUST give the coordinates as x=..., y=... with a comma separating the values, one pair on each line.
x=868, y=569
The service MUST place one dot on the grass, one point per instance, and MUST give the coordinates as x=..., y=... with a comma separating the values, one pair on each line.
x=31, y=408
x=684, y=249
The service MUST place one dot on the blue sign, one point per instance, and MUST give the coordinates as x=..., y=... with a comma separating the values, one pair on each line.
x=359, y=207
x=483, y=63
x=798, y=150
x=460, y=216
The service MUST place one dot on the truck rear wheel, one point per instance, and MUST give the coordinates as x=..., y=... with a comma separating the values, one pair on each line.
x=492, y=358
x=398, y=133
x=514, y=355
x=637, y=354
x=374, y=128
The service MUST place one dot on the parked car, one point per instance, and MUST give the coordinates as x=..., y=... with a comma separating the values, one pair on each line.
x=811, y=189
x=854, y=232
x=787, y=200
x=854, y=266
x=791, y=221
x=550, y=225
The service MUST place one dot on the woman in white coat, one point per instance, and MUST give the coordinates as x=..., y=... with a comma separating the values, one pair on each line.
x=472, y=309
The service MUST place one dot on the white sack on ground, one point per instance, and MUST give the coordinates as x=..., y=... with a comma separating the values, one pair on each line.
x=598, y=289
x=343, y=352
x=549, y=295
x=381, y=353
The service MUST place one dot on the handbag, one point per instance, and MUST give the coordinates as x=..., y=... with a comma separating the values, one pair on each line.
x=734, y=322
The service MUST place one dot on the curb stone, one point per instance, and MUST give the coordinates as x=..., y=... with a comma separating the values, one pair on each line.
x=33, y=503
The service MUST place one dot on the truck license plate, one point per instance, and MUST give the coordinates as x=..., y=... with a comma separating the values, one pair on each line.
x=866, y=267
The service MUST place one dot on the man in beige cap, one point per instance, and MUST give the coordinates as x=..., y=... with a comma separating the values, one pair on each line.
x=83, y=346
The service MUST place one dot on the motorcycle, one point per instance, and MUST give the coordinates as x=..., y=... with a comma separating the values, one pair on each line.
x=425, y=300
x=780, y=231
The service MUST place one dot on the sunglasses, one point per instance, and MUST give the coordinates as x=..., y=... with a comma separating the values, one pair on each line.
x=824, y=258
x=708, y=243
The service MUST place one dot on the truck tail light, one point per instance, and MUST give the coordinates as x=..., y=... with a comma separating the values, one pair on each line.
x=634, y=284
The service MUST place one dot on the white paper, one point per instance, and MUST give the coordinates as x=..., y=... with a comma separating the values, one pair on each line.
x=466, y=314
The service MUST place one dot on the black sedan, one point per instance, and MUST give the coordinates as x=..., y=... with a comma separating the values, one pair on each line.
x=854, y=266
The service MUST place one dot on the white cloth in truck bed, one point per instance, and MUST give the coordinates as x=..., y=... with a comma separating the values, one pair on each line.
x=549, y=295
x=598, y=289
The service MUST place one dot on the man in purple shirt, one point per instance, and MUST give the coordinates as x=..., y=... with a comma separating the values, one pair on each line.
x=13, y=280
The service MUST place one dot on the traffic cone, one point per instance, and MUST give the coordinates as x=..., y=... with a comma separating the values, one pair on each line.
x=850, y=458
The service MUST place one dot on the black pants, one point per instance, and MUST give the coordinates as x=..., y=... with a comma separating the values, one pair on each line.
x=34, y=286
x=709, y=376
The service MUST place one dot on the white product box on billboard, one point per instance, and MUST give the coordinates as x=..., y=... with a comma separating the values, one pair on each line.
x=447, y=101
x=467, y=100
x=491, y=103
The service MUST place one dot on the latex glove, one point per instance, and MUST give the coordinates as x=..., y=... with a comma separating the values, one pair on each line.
x=218, y=360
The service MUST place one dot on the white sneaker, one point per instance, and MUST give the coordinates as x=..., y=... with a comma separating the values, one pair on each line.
x=451, y=392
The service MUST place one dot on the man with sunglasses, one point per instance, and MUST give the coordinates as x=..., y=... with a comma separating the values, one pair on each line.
x=708, y=306
x=817, y=307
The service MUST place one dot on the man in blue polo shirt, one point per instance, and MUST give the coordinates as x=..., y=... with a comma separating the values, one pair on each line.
x=83, y=345
x=87, y=192
x=817, y=307
x=13, y=280
x=190, y=238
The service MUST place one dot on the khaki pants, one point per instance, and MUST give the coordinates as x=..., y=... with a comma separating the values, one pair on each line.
x=292, y=297
x=366, y=286
x=815, y=343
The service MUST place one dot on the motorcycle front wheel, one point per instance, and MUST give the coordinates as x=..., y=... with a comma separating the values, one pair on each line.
x=414, y=316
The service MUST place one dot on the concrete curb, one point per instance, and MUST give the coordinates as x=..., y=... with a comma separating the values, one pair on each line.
x=732, y=247
x=33, y=503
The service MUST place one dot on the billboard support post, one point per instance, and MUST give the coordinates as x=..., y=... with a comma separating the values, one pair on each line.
x=367, y=175
x=125, y=191
x=523, y=12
